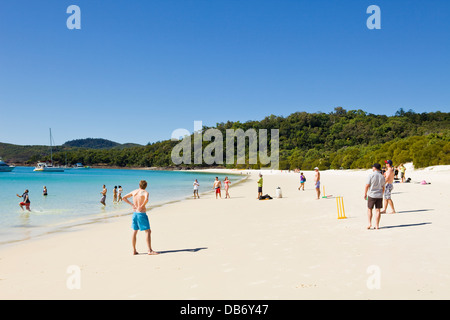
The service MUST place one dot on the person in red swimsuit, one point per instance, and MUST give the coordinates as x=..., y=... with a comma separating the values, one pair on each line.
x=217, y=185
x=227, y=186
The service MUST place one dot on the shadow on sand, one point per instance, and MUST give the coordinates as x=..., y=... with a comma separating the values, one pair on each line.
x=182, y=250
x=406, y=225
x=419, y=210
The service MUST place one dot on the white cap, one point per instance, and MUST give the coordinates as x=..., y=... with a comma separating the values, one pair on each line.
x=316, y=168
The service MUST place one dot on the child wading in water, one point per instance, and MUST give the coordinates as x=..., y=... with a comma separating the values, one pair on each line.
x=119, y=195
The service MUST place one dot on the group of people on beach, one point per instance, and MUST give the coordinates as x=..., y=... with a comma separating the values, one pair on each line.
x=379, y=184
x=217, y=186
x=316, y=182
x=117, y=194
x=402, y=170
x=26, y=198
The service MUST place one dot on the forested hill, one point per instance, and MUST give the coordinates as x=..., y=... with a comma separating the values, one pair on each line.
x=30, y=154
x=92, y=143
x=97, y=143
x=340, y=139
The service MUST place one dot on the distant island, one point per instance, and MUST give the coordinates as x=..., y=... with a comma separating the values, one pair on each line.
x=339, y=139
x=29, y=154
x=97, y=143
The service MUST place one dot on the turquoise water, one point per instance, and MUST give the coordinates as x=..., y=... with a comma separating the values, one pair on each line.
x=74, y=196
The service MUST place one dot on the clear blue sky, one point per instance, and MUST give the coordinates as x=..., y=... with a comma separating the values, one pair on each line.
x=137, y=70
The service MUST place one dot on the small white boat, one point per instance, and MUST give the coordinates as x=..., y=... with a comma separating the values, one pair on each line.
x=80, y=166
x=4, y=167
x=47, y=167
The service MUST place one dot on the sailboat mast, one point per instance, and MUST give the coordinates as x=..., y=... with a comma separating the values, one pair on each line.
x=51, y=151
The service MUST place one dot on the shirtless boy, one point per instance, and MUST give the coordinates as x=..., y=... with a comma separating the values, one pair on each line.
x=103, y=199
x=217, y=185
x=317, y=181
x=389, y=177
x=140, y=219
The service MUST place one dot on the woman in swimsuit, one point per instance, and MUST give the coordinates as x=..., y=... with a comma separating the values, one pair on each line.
x=227, y=186
x=119, y=196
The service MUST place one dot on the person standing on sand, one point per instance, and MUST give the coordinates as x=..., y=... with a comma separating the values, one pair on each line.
x=317, y=182
x=373, y=193
x=260, y=186
x=302, y=182
x=140, y=218
x=227, y=183
x=196, y=185
x=103, y=199
x=217, y=185
x=389, y=177
x=402, y=172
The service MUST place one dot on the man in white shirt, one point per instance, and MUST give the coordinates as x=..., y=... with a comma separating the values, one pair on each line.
x=373, y=193
x=196, y=185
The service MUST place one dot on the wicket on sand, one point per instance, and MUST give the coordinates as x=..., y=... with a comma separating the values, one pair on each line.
x=340, y=207
x=323, y=190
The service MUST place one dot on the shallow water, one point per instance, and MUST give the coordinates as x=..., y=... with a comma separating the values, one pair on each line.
x=74, y=196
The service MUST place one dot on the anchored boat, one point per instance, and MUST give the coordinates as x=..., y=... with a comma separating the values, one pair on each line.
x=48, y=167
x=4, y=167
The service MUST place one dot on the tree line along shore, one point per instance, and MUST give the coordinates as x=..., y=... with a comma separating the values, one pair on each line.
x=337, y=140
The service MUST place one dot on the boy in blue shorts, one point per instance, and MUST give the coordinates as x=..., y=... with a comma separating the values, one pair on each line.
x=140, y=219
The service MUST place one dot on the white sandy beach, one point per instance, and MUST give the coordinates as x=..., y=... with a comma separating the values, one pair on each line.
x=243, y=248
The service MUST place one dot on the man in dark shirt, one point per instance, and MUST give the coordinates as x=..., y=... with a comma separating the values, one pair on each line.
x=26, y=200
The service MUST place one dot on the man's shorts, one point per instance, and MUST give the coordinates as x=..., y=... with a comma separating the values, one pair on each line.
x=140, y=221
x=317, y=185
x=25, y=204
x=259, y=189
x=377, y=202
x=387, y=190
x=217, y=190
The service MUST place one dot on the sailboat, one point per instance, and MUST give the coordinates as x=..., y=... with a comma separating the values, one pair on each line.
x=45, y=166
